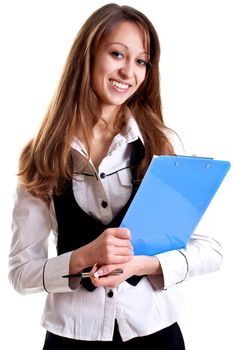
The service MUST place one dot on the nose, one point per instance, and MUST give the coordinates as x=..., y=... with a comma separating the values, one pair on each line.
x=127, y=69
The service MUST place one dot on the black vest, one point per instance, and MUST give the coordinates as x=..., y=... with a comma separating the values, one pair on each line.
x=76, y=228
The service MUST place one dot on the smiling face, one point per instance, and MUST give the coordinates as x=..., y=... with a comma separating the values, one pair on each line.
x=119, y=65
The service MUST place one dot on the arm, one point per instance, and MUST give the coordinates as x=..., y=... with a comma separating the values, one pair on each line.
x=30, y=270
x=202, y=255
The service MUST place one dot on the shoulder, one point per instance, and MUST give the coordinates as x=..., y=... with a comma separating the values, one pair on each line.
x=24, y=200
x=175, y=140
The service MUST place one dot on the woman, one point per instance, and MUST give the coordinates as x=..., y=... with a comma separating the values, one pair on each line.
x=78, y=176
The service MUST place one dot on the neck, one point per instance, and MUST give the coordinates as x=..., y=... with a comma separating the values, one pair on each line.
x=109, y=114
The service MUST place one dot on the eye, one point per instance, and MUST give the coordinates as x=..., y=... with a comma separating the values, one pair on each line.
x=117, y=54
x=141, y=62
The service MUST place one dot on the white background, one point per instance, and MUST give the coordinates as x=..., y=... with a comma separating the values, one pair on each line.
x=196, y=86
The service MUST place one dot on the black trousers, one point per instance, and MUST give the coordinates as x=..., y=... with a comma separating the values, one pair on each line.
x=169, y=338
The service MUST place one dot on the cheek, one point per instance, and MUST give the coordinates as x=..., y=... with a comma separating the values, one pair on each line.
x=103, y=65
x=141, y=77
x=100, y=72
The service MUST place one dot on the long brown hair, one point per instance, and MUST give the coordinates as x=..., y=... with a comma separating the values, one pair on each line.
x=46, y=160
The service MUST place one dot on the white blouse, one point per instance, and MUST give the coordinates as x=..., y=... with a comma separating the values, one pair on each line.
x=77, y=313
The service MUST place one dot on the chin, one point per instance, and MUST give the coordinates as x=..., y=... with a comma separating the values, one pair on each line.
x=118, y=101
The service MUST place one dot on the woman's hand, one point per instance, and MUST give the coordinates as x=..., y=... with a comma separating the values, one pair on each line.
x=138, y=265
x=112, y=247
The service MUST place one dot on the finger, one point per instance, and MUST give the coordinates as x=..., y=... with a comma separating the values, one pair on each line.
x=107, y=280
x=119, y=259
x=123, y=251
x=122, y=233
x=107, y=270
x=98, y=273
x=94, y=268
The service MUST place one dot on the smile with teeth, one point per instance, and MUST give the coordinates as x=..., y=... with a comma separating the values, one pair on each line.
x=119, y=85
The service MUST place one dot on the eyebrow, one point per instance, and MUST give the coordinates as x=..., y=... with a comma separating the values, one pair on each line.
x=125, y=46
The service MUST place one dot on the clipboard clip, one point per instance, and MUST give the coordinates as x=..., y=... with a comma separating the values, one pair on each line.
x=193, y=156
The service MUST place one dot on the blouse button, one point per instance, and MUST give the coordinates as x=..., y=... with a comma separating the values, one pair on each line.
x=102, y=175
x=110, y=294
x=104, y=204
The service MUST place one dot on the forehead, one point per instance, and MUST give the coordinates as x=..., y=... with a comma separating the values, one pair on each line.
x=127, y=33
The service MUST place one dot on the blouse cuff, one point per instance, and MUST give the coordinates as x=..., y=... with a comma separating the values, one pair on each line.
x=175, y=267
x=53, y=270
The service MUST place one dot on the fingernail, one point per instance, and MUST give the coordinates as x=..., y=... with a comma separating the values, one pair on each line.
x=98, y=273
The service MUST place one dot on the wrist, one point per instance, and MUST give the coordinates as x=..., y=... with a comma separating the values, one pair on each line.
x=78, y=261
x=148, y=265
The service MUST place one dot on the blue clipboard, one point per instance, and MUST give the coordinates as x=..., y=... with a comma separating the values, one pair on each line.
x=171, y=200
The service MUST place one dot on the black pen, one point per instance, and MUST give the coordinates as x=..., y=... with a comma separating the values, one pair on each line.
x=87, y=274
